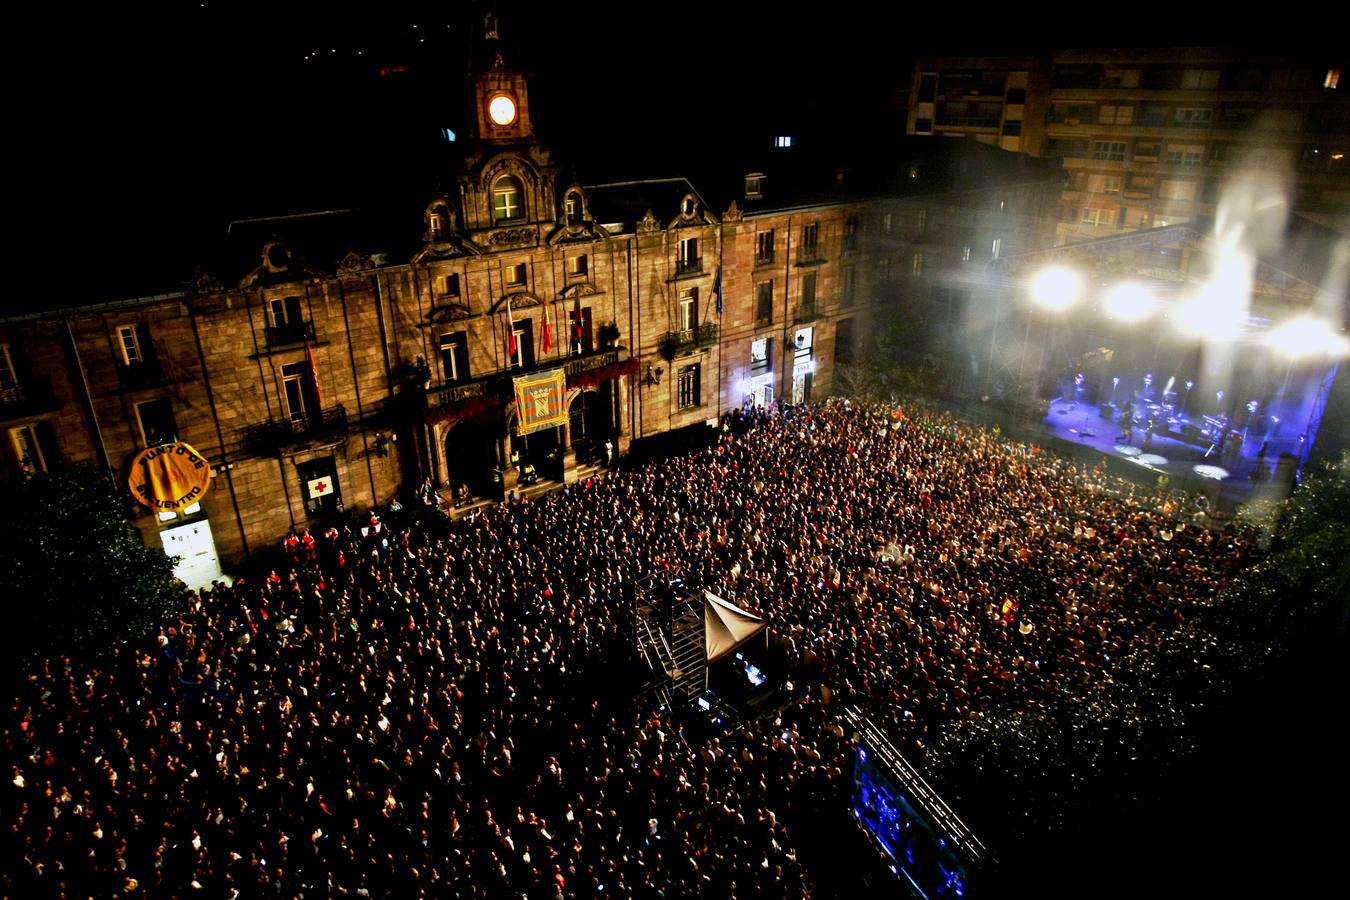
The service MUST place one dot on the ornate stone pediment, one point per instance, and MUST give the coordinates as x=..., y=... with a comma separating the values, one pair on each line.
x=354, y=263
x=649, y=224
x=203, y=282
x=513, y=237
x=451, y=248
x=449, y=312
x=279, y=266
x=519, y=300
x=733, y=213
x=580, y=289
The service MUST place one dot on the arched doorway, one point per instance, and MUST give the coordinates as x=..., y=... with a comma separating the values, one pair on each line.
x=591, y=422
x=539, y=452
x=470, y=457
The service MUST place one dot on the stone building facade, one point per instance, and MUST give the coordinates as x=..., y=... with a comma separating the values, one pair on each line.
x=325, y=367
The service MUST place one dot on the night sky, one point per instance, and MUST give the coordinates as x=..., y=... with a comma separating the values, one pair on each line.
x=146, y=128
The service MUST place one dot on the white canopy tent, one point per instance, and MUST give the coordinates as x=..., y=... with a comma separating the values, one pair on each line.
x=726, y=626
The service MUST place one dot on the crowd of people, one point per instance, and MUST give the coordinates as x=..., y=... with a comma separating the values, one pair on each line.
x=446, y=708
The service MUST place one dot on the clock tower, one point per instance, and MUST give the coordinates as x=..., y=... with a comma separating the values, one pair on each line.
x=501, y=99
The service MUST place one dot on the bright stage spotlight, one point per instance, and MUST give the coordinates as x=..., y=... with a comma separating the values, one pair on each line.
x=1056, y=287
x=1306, y=336
x=1211, y=314
x=1130, y=302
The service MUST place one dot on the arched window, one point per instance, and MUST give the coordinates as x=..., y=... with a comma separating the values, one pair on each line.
x=573, y=208
x=506, y=200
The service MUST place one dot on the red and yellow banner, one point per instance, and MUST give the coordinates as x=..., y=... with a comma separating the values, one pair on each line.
x=539, y=401
x=169, y=477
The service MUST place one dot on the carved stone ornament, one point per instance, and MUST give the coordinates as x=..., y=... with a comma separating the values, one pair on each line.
x=512, y=237
x=449, y=312
x=203, y=282
x=353, y=263
x=648, y=224
x=733, y=213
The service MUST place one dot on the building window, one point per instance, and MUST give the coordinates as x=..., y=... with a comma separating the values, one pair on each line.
x=516, y=276
x=300, y=392
x=760, y=360
x=1171, y=189
x=1139, y=186
x=843, y=341
x=319, y=486
x=8, y=380
x=572, y=208
x=688, y=259
x=1121, y=78
x=1115, y=115
x=1094, y=216
x=454, y=357
x=131, y=338
x=810, y=241
x=1193, y=117
x=783, y=140
x=688, y=313
x=997, y=248
x=754, y=186
x=506, y=200
x=157, y=423
x=886, y=223
x=1112, y=150
x=577, y=266
x=965, y=253
x=1185, y=154
x=1066, y=147
x=1147, y=151
x=884, y=270
x=850, y=234
x=1332, y=80
x=35, y=447
x=288, y=321
x=850, y=277
x=916, y=265
x=523, y=331
x=764, y=303
x=579, y=329
x=1200, y=79
x=809, y=296
x=690, y=386
x=764, y=247
x=449, y=285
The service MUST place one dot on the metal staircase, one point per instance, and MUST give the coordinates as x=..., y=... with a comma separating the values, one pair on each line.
x=678, y=659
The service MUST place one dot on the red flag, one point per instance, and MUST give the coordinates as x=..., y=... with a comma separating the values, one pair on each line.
x=510, y=331
x=576, y=320
x=548, y=332
x=313, y=371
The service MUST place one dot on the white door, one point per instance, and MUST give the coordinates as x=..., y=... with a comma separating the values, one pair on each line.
x=198, y=565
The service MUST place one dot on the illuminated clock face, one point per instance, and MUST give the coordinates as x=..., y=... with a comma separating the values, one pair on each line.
x=502, y=109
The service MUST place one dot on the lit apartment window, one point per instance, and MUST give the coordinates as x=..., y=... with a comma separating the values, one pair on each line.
x=916, y=267
x=572, y=208
x=1332, y=80
x=1110, y=184
x=34, y=447
x=577, y=266
x=688, y=260
x=688, y=309
x=506, y=202
x=300, y=391
x=1094, y=216
x=690, y=384
x=754, y=186
x=997, y=248
x=965, y=253
x=886, y=223
x=450, y=285
x=130, y=343
x=759, y=355
x=516, y=276
x=783, y=140
x=1115, y=115
x=764, y=247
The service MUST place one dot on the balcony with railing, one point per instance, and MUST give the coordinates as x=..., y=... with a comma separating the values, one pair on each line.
x=691, y=265
x=328, y=425
x=499, y=383
x=672, y=342
x=810, y=255
x=289, y=333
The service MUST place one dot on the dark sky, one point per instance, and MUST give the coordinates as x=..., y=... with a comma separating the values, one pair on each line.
x=142, y=126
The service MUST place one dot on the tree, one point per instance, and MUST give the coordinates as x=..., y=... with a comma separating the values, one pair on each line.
x=77, y=574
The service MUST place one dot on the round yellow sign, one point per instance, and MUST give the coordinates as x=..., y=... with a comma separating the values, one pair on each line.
x=169, y=477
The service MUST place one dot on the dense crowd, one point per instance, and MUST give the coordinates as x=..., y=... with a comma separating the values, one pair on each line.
x=445, y=709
